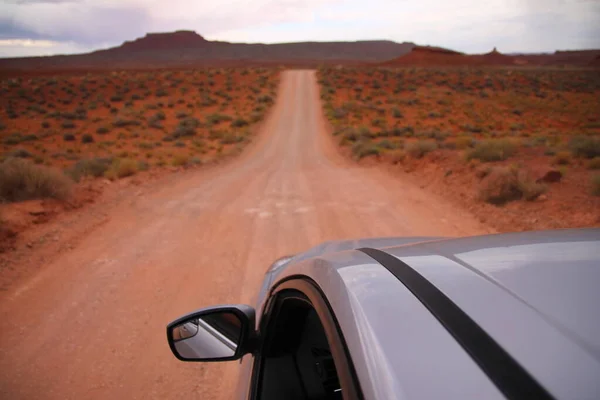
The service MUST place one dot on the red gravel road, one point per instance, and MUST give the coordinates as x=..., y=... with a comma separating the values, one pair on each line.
x=91, y=323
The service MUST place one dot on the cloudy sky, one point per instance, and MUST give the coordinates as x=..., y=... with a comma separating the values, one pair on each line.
x=45, y=27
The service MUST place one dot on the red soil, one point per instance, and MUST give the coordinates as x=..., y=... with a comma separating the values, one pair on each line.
x=540, y=110
x=38, y=105
x=566, y=204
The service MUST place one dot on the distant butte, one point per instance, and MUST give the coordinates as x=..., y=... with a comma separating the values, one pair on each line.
x=165, y=41
x=437, y=56
x=185, y=48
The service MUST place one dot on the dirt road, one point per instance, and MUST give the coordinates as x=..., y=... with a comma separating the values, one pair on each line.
x=91, y=323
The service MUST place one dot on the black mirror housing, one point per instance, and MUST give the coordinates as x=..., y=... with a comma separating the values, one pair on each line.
x=210, y=341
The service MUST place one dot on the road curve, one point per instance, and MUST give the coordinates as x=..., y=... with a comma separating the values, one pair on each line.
x=91, y=324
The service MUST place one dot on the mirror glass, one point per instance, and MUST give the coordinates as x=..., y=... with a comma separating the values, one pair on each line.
x=214, y=335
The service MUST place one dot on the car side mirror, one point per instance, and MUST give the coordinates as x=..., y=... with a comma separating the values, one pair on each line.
x=220, y=333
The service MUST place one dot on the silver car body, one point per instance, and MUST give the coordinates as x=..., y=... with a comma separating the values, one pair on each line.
x=537, y=294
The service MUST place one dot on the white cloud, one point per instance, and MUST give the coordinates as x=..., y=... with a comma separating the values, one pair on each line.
x=28, y=47
x=26, y=43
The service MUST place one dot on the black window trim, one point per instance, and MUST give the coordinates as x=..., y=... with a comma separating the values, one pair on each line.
x=339, y=350
x=500, y=367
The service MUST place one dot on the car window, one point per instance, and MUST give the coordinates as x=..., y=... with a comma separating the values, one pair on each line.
x=296, y=361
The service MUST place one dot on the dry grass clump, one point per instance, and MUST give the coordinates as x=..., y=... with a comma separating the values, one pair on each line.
x=505, y=184
x=21, y=179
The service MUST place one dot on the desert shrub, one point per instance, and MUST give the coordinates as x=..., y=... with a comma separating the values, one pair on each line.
x=337, y=114
x=596, y=185
x=463, y=142
x=95, y=167
x=585, y=146
x=505, y=184
x=87, y=138
x=161, y=93
x=121, y=168
x=492, y=150
x=116, y=97
x=207, y=101
x=143, y=166
x=239, y=123
x=404, y=131
x=472, y=128
x=68, y=125
x=154, y=122
x=231, y=138
x=186, y=127
x=420, y=148
x=450, y=144
x=350, y=134
x=13, y=139
x=68, y=137
x=363, y=149
x=594, y=163
x=217, y=118
x=102, y=130
x=388, y=145
x=68, y=115
x=121, y=122
x=46, y=124
x=182, y=131
x=23, y=180
x=433, y=134
x=562, y=158
x=378, y=122
x=396, y=113
x=181, y=115
x=198, y=143
x=365, y=133
x=145, y=145
x=517, y=127
x=19, y=153
x=529, y=187
x=265, y=98
x=159, y=116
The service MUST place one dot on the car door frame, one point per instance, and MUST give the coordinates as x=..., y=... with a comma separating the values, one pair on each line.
x=335, y=338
